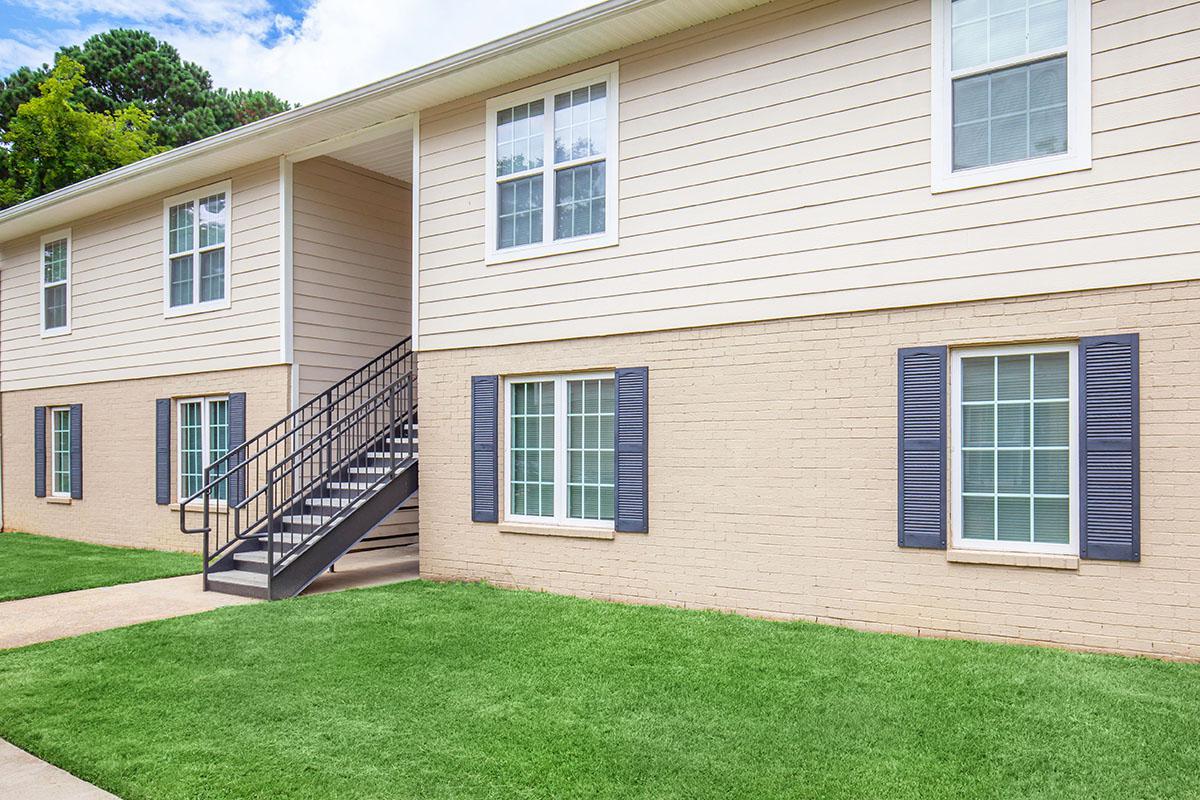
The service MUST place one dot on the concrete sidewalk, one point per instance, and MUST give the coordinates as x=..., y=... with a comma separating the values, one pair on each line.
x=55, y=616
x=27, y=777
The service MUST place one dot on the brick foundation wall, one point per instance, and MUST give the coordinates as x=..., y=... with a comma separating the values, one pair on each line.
x=118, y=505
x=773, y=478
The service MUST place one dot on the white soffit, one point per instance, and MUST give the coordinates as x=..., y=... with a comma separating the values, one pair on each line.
x=575, y=37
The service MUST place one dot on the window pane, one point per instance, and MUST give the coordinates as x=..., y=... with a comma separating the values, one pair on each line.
x=179, y=228
x=520, y=135
x=181, y=281
x=531, y=451
x=1006, y=483
x=1010, y=114
x=54, y=261
x=580, y=123
x=56, y=306
x=590, y=449
x=983, y=32
x=61, y=450
x=212, y=220
x=520, y=211
x=212, y=275
x=579, y=201
x=191, y=448
x=218, y=440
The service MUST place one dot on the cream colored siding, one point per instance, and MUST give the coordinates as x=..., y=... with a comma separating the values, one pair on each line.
x=776, y=164
x=352, y=234
x=118, y=329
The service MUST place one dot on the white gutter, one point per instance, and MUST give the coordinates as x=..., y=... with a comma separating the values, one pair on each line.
x=442, y=67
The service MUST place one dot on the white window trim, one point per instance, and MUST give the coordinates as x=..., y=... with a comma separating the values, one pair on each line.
x=957, y=541
x=194, y=197
x=1079, y=106
x=53, y=237
x=560, y=518
x=549, y=246
x=205, y=443
x=51, y=413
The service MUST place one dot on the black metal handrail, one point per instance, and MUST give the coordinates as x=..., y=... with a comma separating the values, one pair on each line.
x=237, y=488
x=368, y=437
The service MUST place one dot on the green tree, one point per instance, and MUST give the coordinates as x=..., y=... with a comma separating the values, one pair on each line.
x=53, y=141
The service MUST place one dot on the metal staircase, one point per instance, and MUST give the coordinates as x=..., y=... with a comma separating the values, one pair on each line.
x=283, y=507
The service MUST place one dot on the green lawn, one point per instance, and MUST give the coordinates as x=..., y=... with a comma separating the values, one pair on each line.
x=35, y=565
x=433, y=691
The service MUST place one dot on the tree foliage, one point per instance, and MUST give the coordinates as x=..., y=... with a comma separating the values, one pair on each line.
x=123, y=84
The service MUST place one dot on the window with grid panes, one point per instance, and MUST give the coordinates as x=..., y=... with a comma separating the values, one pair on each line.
x=197, y=249
x=203, y=439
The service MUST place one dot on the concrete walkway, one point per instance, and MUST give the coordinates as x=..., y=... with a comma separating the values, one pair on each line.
x=56, y=616
x=27, y=777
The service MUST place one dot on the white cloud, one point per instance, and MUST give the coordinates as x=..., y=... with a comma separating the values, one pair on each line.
x=335, y=46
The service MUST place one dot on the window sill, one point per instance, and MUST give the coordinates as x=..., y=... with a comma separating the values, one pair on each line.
x=59, y=501
x=562, y=247
x=53, y=333
x=1003, y=559
x=556, y=530
x=947, y=181
x=196, y=308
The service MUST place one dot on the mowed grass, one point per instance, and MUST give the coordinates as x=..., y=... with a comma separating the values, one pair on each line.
x=427, y=690
x=36, y=565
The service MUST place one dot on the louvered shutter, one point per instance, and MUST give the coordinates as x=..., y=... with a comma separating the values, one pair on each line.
x=1109, y=496
x=39, y=451
x=77, y=451
x=237, y=437
x=162, y=451
x=632, y=432
x=485, y=490
x=922, y=447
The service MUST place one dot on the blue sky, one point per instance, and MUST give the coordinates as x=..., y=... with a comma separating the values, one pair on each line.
x=303, y=50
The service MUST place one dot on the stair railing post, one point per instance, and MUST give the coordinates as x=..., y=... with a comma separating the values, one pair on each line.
x=270, y=529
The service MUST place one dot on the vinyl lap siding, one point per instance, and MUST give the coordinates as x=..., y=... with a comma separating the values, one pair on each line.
x=118, y=330
x=352, y=251
x=776, y=164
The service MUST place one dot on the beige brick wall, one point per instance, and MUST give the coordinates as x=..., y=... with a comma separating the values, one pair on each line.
x=118, y=505
x=773, y=478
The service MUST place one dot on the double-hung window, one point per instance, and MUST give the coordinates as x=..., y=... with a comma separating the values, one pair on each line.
x=203, y=439
x=56, y=283
x=552, y=167
x=1012, y=90
x=60, y=452
x=1014, y=449
x=196, y=237
x=560, y=460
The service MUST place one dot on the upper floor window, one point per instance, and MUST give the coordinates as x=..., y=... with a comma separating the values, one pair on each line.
x=197, y=250
x=56, y=280
x=552, y=158
x=1012, y=93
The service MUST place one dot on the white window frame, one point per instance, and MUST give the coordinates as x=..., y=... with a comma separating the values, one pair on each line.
x=194, y=196
x=560, y=518
x=47, y=239
x=206, y=438
x=1078, y=51
x=549, y=246
x=54, y=411
x=956, y=479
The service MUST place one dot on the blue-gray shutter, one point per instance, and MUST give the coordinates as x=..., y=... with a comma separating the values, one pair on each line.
x=632, y=432
x=485, y=487
x=77, y=451
x=1109, y=496
x=237, y=437
x=922, y=446
x=39, y=451
x=162, y=451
